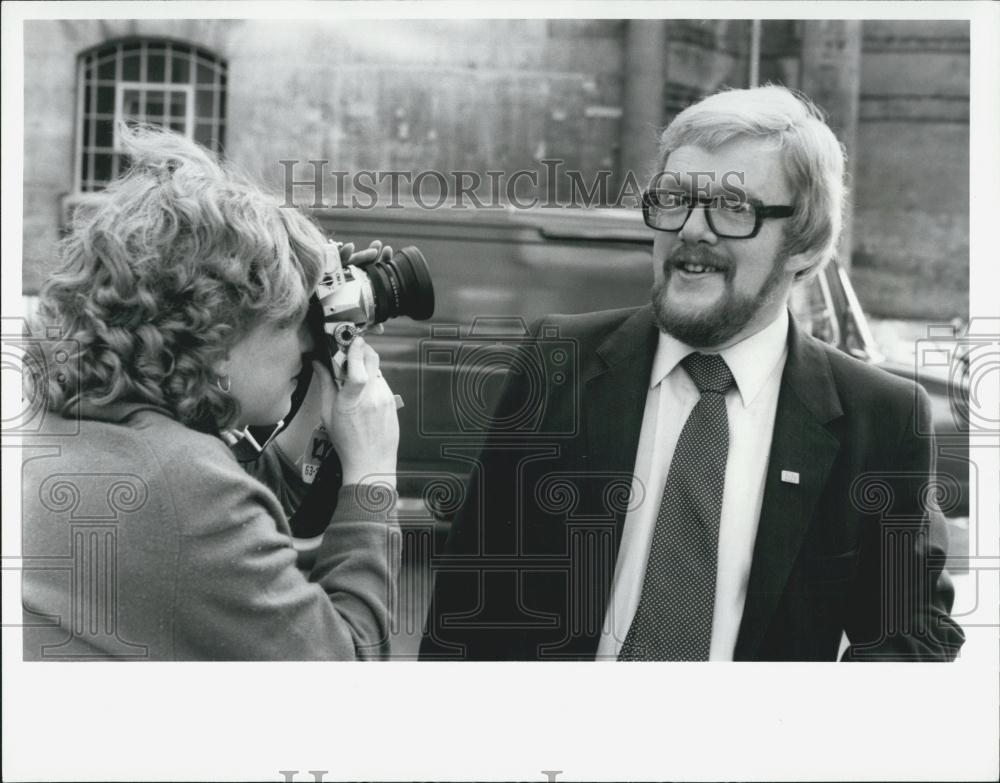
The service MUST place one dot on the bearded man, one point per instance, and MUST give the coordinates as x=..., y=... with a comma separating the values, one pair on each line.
x=718, y=485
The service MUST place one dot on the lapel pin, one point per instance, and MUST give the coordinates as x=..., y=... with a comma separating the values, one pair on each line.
x=789, y=477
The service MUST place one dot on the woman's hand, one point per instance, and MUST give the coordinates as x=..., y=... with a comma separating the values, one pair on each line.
x=374, y=251
x=361, y=417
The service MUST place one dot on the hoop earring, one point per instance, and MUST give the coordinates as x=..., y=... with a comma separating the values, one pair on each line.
x=229, y=384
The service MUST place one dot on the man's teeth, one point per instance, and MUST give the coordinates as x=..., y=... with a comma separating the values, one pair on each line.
x=698, y=268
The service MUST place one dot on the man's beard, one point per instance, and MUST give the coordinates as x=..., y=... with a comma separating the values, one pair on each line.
x=725, y=319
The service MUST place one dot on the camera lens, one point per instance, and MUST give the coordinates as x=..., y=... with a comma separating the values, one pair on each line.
x=402, y=286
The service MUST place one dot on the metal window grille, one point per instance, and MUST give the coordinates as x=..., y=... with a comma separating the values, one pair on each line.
x=165, y=83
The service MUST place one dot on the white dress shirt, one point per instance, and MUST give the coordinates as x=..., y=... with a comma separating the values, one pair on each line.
x=757, y=364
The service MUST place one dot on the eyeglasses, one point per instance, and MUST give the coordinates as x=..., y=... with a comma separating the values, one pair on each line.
x=729, y=218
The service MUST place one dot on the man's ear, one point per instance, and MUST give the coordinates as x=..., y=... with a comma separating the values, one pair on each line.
x=799, y=263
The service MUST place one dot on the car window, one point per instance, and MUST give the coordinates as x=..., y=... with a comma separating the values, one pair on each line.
x=813, y=308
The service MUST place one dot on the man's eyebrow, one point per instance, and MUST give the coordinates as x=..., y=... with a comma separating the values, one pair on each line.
x=730, y=183
x=715, y=190
x=742, y=192
x=734, y=183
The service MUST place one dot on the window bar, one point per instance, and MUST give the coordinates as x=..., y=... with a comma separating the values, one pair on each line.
x=78, y=144
x=168, y=80
x=115, y=155
x=92, y=119
x=219, y=118
x=216, y=106
x=222, y=119
x=144, y=90
x=189, y=118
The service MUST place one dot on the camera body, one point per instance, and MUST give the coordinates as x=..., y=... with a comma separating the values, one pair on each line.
x=353, y=298
x=346, y=299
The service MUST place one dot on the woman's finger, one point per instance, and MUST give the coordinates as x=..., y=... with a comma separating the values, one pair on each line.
x=357, y=372
x=372, y=362
x=364, y=257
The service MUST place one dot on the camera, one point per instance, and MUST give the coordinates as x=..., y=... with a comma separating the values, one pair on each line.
x=346, y=303
x=461, y=378
x=355, y=298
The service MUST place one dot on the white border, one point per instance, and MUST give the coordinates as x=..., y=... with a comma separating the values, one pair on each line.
x=405, y=721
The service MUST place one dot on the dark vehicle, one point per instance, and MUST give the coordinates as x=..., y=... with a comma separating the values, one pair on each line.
x=495, y=272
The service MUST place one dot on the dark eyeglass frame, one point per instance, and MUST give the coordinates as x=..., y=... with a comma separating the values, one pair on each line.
x=762, y=212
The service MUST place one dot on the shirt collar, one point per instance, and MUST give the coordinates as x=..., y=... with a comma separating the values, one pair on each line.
x=751, y=360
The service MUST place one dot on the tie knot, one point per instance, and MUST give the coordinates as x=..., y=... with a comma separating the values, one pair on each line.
x=709, y=372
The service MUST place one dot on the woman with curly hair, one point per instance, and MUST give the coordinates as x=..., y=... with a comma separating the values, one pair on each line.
x=179, y=316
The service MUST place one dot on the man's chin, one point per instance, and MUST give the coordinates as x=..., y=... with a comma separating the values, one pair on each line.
x=699, y=327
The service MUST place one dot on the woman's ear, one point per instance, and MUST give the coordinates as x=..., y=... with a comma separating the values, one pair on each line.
x=222, y=379
x=221, y=366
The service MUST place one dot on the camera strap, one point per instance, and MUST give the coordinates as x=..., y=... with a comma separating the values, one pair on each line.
x=319, y=447
x=313, y=515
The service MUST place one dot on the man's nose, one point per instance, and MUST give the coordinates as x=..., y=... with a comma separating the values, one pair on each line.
x=696, y=229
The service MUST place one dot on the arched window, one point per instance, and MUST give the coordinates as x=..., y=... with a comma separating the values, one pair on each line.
x=167, y=83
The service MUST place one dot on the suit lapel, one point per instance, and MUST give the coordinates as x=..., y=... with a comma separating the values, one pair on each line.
x=614, y=399
x=801, y=442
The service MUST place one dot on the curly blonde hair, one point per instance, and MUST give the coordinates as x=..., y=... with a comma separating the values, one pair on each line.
x=183, y=258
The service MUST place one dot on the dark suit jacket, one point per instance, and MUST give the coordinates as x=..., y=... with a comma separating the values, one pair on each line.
x=857, y=545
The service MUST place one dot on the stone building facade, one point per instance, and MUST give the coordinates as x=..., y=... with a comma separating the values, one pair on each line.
x=479, y=95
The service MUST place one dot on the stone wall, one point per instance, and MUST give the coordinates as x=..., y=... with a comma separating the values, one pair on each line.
x=482, y=95
x=911, y=189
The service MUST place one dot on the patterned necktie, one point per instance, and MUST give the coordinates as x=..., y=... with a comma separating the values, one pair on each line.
x=673, y=621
